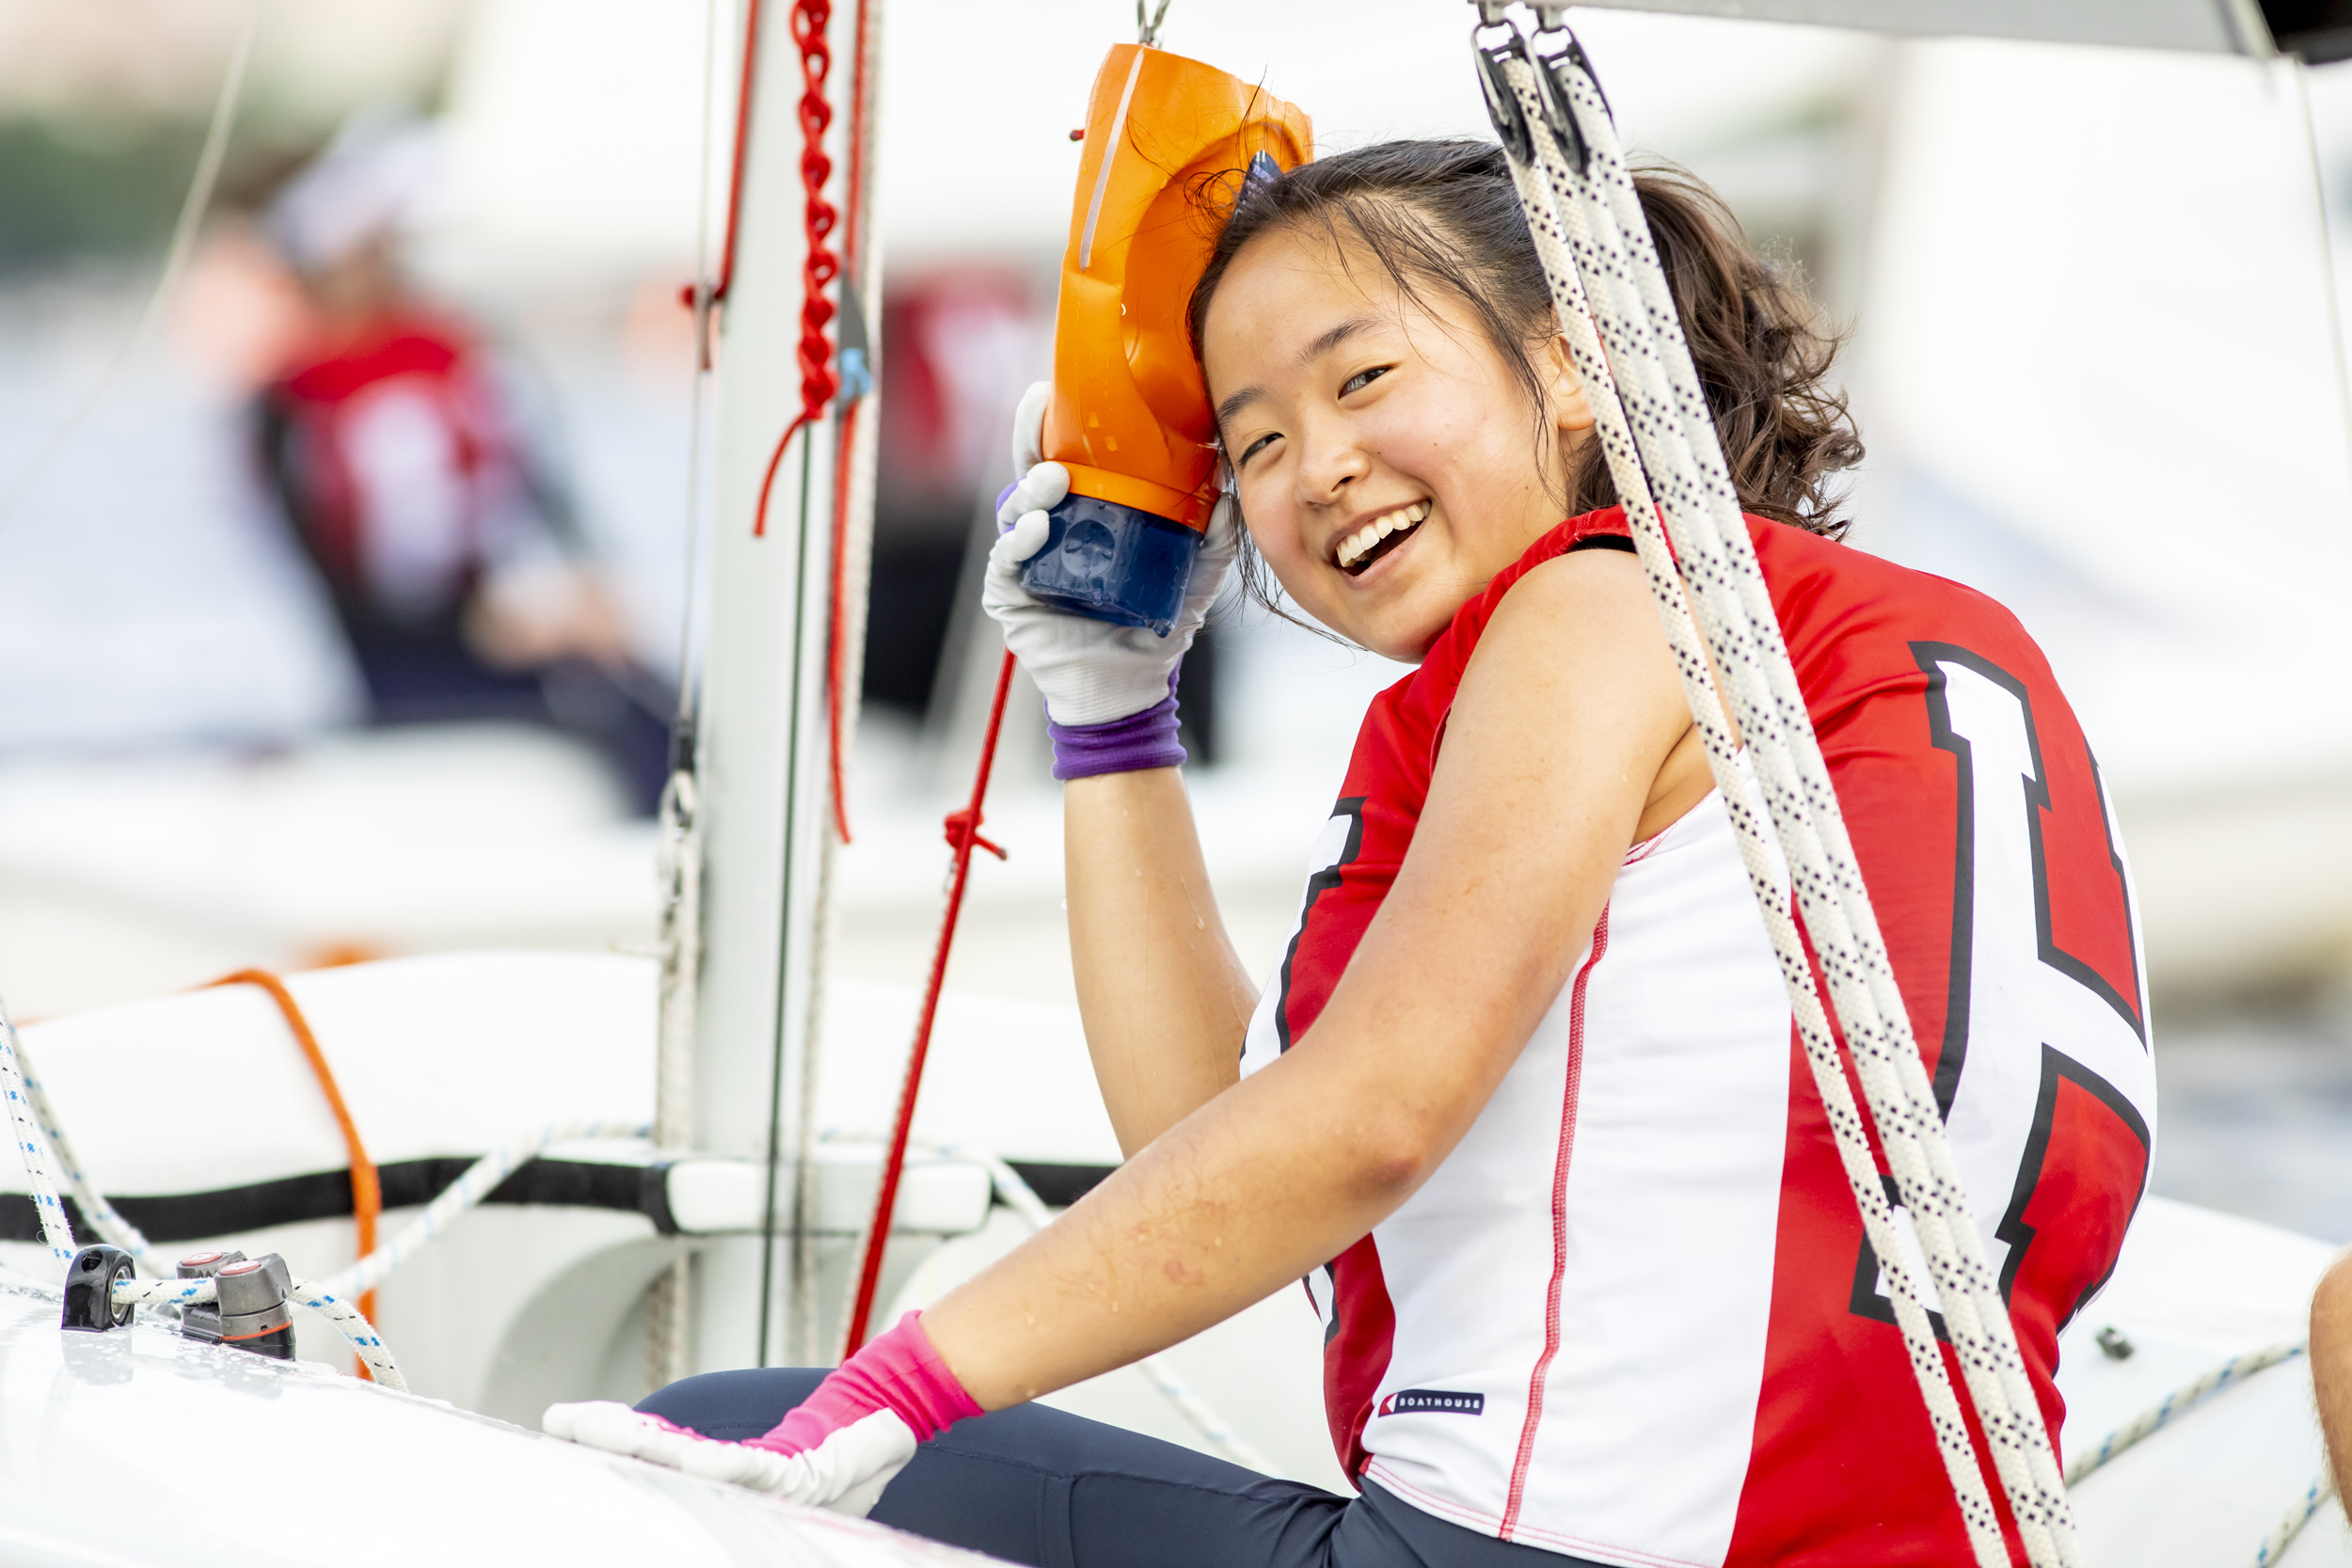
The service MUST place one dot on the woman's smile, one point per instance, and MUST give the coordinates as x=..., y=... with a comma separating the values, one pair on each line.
x=1378, y=539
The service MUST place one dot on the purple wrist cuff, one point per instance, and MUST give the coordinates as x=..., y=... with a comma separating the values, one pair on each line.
x=1129, y=745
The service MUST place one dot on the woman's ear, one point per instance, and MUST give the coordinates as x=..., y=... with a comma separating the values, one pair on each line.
x=1571, y=410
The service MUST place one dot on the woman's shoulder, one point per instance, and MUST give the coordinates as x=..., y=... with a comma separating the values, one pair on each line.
x=1605, y=528
x=1424, y=699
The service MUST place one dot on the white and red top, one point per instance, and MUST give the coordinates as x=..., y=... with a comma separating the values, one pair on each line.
x=390, y=453
x=1634, y=1317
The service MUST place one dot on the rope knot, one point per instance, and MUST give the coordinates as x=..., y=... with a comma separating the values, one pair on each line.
x=966, y=820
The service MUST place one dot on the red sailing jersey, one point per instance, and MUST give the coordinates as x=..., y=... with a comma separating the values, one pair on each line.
x=387, y=451
x=1634, y=1317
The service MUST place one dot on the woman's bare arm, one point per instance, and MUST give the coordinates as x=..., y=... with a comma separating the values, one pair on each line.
x=1565, y=739
x=1164, y=998
x=2331, y=1368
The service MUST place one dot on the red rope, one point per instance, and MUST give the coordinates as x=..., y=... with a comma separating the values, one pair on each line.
x=837, y=651
x=820, y=378
x=742, y=141
x=734, y=194
x=963, y=831
x=820, y=265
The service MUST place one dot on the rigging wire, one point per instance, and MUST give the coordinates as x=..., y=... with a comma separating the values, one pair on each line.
x=678, y=813
x=193, y=208
x=824, y=383
x=784, y=913
x=852, y=500
x=700, y=296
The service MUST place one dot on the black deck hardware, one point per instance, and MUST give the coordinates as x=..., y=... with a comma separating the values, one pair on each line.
x=90, y=1289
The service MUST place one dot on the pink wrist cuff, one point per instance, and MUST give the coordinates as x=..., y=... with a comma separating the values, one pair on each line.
x=900, y=1371
x=913, y=1379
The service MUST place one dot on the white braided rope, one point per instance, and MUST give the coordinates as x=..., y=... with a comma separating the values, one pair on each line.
x=1674, y=430
x=463, y=1193
x=40, y=1139
x=1746, y=636
x=1674, y=439
x=1759, y=851
x=164, y=1292
x=355, y=1329
x=1019, y=1197
x=1829, y=891
x=2179, y=1402
x=348, y=1320
x=2291, y=1523
x=103, y=1216
x=27, y=1131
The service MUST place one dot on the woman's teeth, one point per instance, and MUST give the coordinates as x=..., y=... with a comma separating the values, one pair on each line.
x=1358, y=547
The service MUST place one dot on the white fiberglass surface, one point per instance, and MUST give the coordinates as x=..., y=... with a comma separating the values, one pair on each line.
x=2193, y=1289
x=459, y=1054
x=134, y=1446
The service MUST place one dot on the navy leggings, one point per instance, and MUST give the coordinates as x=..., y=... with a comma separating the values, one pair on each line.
x=1044, y=1487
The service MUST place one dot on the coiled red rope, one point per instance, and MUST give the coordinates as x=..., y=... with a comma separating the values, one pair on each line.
x=820, y=265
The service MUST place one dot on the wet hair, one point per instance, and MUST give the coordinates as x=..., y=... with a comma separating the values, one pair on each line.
x=1444, y=215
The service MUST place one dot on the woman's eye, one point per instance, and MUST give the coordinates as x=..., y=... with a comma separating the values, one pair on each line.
x=1363, y=379
x=1254, y=448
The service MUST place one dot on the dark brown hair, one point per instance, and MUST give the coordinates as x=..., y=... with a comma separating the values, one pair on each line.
x=1444, y=213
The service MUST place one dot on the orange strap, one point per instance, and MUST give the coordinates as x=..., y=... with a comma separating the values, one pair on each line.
x=367, y=1193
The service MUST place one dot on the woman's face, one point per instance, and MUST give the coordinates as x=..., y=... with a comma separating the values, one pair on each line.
x=1381, y=446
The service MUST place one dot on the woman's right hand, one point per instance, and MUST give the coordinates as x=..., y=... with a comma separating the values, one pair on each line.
x=1089, y=671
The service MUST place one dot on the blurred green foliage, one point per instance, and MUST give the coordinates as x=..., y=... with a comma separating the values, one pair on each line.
x=77, y=188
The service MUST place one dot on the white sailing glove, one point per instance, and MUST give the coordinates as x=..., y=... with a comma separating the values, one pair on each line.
x=837, y=1449
x=1090, y=671
x=846, y=1473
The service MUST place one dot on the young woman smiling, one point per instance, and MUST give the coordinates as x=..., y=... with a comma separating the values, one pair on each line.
x=1517, y=1104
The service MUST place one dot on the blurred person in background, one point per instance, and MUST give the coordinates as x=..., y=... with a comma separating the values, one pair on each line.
x=451, y=550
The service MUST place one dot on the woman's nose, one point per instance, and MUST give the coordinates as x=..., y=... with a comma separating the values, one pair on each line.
x=1329, y=462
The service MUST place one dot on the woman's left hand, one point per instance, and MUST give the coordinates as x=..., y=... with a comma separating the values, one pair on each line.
x=838, y=1450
